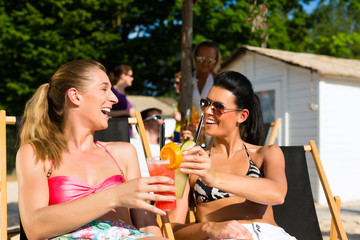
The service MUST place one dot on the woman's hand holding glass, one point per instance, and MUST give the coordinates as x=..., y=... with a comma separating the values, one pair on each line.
x=197, y=162
x=138, y=193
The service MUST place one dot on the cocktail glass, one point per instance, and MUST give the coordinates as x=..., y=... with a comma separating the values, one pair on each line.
x=159, y=167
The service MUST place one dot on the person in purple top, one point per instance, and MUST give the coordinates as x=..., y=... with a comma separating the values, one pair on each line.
x=122, y=77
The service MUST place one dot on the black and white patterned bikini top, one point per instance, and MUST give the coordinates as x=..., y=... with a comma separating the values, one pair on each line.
x=205, y=193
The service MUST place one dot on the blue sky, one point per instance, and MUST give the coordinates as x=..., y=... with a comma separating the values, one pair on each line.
x=310, y=7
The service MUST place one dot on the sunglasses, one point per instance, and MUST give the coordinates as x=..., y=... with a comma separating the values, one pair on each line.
x=154, y=117
x=216, y=107
x=201, y=59
x=176, y=83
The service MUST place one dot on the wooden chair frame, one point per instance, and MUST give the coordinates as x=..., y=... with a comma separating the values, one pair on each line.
x=163, y=221
x=5, y=233
x=274, y=132
x=337, y=228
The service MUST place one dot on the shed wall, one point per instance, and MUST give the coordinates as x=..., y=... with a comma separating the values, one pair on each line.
x=339, y=137
x=334, y=125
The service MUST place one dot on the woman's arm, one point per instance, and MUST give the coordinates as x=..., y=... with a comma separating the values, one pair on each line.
x=41, y=221
x=270, y=190
x=211, y=230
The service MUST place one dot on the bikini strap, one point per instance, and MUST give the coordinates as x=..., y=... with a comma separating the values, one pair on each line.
x=121, y=171
x=247, y=153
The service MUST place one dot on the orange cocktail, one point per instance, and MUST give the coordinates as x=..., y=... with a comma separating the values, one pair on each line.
x=158, y=167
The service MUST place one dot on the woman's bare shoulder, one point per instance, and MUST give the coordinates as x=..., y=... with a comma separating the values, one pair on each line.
x=118, y=146
x=26, y=160
x=120, y=150
x=263, y=149
x=264, y=153
x=25, y=153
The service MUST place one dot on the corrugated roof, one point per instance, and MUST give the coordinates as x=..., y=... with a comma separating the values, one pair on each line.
x=320, y=63
x=143, y=102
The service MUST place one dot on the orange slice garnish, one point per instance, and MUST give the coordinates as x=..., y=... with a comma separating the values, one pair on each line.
x=172, y=152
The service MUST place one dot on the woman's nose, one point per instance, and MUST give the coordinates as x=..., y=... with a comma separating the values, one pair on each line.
x=208, y=110
x=113, y=98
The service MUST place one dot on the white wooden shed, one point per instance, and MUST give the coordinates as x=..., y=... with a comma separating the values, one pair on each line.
x=317, y=97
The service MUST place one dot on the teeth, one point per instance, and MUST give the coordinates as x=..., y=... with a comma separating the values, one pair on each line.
x=105, y=110
x=210, y=121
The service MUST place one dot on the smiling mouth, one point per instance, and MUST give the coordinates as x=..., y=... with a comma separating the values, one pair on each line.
x=210, y=121
x=105, y=110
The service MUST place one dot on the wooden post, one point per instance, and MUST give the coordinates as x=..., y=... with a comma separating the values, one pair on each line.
x=3, y=234
x=186, y=50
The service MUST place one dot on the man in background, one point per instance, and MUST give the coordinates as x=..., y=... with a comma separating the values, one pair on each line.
x=152, y=118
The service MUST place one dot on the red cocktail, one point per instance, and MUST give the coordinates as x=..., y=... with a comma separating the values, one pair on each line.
x=159, y=167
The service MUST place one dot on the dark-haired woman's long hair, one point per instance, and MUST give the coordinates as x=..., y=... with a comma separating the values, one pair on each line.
x=252, y=130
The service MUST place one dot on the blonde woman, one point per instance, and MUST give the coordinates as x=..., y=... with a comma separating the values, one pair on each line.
x=70, y=186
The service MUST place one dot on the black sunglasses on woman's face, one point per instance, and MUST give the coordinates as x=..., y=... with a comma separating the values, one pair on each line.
x=216, y=107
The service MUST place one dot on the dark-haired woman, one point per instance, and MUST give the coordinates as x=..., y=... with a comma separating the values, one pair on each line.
x=236, y=182
x=70, y=186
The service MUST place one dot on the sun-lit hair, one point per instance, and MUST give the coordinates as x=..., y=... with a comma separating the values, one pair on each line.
x=44, y=116
x=212, y=44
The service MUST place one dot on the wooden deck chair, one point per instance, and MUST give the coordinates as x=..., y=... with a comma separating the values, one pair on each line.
x=271, y=130
x=5, y=232
x=115, y=132
x=298, y=215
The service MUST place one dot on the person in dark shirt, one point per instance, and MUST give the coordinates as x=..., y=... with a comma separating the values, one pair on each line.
x=121, y=78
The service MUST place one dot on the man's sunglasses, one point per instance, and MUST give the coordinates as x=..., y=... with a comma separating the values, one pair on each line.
x=216, y=107
x=201, y=59
x=154, y=117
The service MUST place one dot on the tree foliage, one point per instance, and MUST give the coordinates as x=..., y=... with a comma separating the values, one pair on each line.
x=38, y=36
x=335, y=29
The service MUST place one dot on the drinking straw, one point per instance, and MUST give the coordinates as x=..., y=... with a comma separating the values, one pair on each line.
x=162, y=135
x=196, y=138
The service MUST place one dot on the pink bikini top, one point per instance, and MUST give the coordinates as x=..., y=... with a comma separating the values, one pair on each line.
x=67, y=188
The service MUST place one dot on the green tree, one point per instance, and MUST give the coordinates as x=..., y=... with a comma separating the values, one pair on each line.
x=335, y=29
x=38, y=36
x=226, y=23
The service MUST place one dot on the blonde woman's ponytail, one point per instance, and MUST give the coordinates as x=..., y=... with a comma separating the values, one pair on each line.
x=38, y=130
